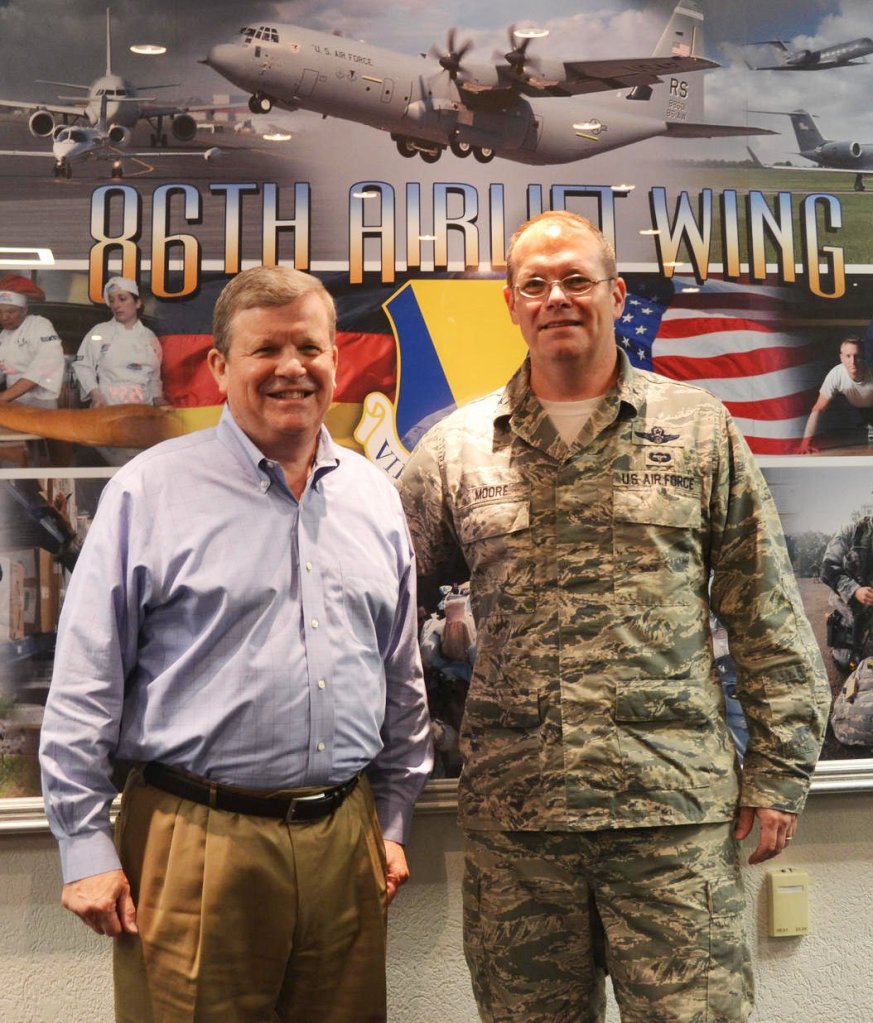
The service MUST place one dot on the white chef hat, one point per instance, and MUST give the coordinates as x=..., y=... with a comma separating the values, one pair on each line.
x=120, y=284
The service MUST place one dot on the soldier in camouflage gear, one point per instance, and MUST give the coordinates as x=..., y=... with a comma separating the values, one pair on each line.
x=847, y=567
x=603, y=512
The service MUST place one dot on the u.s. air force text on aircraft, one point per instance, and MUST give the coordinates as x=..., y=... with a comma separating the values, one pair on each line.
x=686, y=228
x=352, y=58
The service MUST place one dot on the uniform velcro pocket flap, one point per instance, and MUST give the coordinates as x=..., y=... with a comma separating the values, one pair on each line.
x=497, y=518
x=657, y=507
x=666, y=699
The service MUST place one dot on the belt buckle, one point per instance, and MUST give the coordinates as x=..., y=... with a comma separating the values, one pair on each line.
x=292, y=805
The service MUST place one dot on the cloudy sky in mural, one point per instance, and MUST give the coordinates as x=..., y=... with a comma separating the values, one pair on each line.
x=65, y=41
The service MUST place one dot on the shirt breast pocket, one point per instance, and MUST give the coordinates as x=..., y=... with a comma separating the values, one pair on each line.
x=495, y=537
x=492, y=519
x=657, y=546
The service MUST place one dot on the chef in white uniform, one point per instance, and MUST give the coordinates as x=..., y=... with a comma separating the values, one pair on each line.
x=119, y=361
x=31, y=356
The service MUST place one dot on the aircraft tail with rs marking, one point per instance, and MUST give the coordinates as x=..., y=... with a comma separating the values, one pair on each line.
x=684, y=95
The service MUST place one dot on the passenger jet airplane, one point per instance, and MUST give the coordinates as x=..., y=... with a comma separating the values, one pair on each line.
x=827, y=154
x=125, y=106
x=518, y=107
x=71, y=143
x=840, y=55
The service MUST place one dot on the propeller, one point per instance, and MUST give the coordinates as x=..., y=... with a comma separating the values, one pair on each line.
x=517, y=58
x=517, y=55
x=451, y=60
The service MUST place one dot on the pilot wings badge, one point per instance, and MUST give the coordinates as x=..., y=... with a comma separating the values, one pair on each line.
x=656, y=435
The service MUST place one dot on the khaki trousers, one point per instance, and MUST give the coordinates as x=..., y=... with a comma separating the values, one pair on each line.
x=248, y=919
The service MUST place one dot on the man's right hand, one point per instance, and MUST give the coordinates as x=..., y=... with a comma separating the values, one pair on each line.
x=103, y=902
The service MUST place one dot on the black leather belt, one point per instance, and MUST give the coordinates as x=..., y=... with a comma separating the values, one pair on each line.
x=225, y=797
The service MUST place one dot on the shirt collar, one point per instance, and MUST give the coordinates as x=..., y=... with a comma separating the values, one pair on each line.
x=264, y=470
x=519, y=407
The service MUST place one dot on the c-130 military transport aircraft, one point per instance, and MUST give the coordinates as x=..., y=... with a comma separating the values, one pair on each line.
x=519, y=107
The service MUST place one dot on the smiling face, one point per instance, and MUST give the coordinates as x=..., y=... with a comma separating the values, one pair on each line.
x=125, y=306
x=279, y=374
x=571, y=340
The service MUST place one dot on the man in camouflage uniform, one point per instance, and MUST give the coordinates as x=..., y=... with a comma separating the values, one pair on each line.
x=602, y=513
x=847, y=567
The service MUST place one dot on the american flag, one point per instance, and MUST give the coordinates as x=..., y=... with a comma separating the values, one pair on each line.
x=755, y=348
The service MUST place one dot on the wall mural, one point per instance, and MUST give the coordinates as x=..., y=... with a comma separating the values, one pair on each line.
x=173, y=146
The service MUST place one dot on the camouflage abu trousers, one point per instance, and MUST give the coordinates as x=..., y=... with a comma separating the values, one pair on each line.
x=546, y=914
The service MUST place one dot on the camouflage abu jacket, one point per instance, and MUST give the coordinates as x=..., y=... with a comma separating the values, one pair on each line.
x=847, y=563
x=594, y=701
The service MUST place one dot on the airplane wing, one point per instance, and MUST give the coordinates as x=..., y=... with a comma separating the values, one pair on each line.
x=171, y=110
x=212, y=153
x=576, y=78
x=26, y=152
x=811, y=169
x=53, y=108
x=587, y=76
x=809, y=67
x=689, y=130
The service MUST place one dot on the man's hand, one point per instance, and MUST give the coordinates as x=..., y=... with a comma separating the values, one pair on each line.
x=103, y=902
x=398, y=871
x=864, y=596
x=776, y=829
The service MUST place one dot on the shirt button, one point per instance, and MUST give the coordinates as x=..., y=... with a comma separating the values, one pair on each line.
x=314, y=623
x=320, y=747
x=308, y=566
x=264, y=484
x=321, y=683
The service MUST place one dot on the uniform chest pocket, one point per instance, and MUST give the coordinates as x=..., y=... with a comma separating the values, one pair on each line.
x=492, y=519
x=497, y=544
x=657, y=545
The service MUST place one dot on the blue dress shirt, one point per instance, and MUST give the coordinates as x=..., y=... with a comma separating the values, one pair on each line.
x=215, y=623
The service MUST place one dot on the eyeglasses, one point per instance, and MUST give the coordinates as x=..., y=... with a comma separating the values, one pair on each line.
x=573, y=286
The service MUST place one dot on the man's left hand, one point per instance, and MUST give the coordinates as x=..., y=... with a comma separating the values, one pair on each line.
x=776, y=829
x=398, y=871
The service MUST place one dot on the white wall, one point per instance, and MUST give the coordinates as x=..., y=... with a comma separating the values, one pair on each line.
x=53, y=969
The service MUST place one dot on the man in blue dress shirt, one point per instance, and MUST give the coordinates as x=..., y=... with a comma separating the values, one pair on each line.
x=241, y=627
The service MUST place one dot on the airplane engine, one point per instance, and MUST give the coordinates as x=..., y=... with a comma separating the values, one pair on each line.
x=41, y=123
x=843, y=151
x=119, y=135
x=184, y=127
x=801, y=57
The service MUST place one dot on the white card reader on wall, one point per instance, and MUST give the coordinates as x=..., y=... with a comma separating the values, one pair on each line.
x=789, y=902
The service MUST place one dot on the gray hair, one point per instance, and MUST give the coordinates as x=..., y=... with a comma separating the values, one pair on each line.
x=264, y=286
